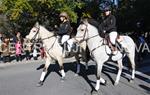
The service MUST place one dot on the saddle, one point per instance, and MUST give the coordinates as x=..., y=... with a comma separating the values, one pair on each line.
x=118, y=45
x=66, y=46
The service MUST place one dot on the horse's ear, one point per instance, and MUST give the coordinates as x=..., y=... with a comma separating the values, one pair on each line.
x=37, y=24
x=84, y=21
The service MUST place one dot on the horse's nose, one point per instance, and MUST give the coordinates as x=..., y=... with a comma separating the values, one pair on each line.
x=27, y=37
x=32, y=40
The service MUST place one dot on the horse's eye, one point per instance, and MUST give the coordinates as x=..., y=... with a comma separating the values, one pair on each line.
x=34, y=31
x=82, y=29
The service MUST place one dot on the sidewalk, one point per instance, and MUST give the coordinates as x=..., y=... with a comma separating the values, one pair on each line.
x=24, y=61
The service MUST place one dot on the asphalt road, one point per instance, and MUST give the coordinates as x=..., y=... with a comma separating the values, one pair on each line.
x=21, y=79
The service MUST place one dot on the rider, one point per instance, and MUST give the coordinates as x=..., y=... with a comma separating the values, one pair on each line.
x=65, y=27
x=108, y=26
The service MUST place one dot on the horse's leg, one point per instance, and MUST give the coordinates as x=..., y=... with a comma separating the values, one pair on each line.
x=84, y=54
x=99, y=69
x=62, y=72
x=60, y=62
x=44, y=72
x=78, y=65
x=86, y=65
x=120, y=66
x=85, y=58
x=131, y=58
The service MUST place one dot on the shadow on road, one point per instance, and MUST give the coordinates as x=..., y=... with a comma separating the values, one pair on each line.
x=145, y=88
x=72, y=67
x=107, y=70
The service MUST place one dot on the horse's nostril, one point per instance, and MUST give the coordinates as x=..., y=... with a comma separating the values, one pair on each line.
x=32, y=40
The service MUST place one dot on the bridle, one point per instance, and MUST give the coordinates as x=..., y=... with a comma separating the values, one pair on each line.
x=37, y=32
x=88, y=38
x=34, y=37
x=86, y=32
x=42, y=39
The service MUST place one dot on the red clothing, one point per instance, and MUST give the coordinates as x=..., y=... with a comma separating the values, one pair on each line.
x=42, y=51
x=18, y=48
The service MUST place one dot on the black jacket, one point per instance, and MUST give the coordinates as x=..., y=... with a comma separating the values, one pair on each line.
x=109, y=24
x=64, y=29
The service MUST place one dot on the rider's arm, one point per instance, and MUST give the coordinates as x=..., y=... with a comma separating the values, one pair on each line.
x=111, y=25
x=64, y=29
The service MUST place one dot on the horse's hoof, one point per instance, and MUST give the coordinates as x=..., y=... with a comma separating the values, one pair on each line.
x=62, y=79
x=94, y=93
x=39, y=84
x=105, y=83
x=116, y=83
x=131, y=80
x=76, y=75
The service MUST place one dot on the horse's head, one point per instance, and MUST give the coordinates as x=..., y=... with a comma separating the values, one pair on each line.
x=82, y=32
x=86, y=31
x=34, y=32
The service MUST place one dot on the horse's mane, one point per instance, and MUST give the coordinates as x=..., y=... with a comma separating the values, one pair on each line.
x=95, y=24
x=91, y=21
x=51, y=31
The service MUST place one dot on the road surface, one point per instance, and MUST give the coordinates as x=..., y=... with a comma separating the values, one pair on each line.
x=21, y=79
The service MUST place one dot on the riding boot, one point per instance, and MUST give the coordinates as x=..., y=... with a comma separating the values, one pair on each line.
x=113, y=49
x=74, y=46
x=115, y=55
x=65, y=49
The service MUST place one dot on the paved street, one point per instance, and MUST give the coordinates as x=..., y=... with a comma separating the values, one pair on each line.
x=21, y=79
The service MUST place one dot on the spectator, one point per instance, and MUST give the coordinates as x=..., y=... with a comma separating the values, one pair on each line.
x=19, y=37
x=0, y=45
x=5, y=51
x=18, y=47
x=42, y=52
x=27, y=49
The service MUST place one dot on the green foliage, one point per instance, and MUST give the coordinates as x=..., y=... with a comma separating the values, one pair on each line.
x=14, y=8
x=132, y=11
x=22, y=14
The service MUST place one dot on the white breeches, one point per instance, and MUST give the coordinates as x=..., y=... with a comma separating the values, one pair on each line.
x=64, y=38
x=70, y=42
x=113, y=36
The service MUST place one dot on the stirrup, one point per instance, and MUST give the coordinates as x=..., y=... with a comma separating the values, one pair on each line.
x=114, y=52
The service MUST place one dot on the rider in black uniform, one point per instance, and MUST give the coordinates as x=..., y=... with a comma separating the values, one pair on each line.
x=108, y=26
x=65, y=27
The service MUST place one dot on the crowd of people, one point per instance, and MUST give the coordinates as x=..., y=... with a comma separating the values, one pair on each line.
x=18, y=49
x=23, y=48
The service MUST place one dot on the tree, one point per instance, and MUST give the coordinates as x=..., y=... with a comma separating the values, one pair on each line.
x=24, y=13
x=132, y=11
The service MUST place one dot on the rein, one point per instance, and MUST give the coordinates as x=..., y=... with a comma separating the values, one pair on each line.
x=86, y=31
x=96, y=47
x=34, y=37
x=47, y=37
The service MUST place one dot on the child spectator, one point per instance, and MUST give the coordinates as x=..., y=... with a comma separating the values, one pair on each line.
x=18, y=47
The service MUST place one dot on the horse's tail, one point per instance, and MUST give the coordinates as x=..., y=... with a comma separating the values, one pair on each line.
x=131, y=49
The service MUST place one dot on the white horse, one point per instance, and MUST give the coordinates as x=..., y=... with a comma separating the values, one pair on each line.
x=53, y=49
x=100, y=52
